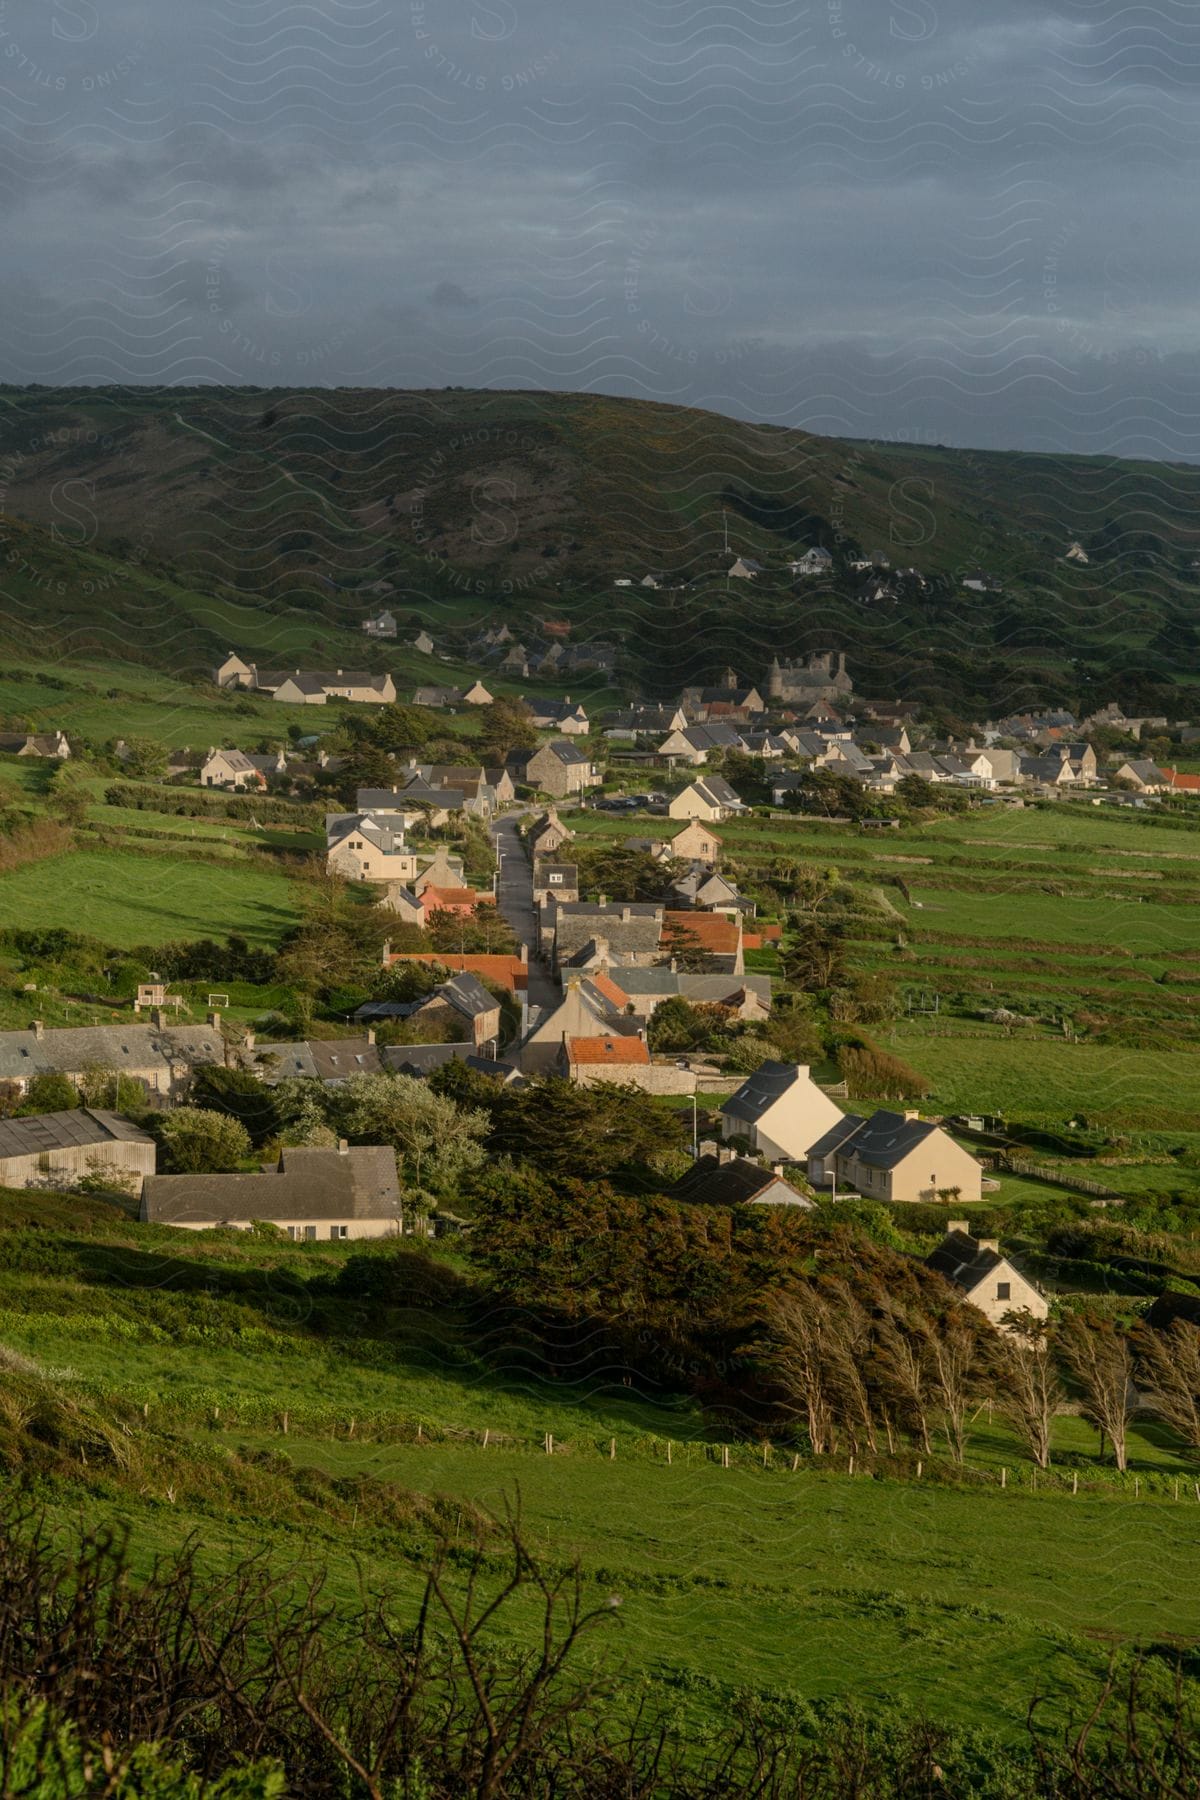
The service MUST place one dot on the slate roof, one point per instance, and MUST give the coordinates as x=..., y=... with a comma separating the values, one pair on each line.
x=306, y=1184
x=963, y=1260
x=336, y=1059
x=735, y=1182
x=759, y=1092
x=467, y=995
x=69, y=1049
x=420, y=1060
x=290, y=1060
x=886, y=1138
x=837, y=1135
x=81, y=1126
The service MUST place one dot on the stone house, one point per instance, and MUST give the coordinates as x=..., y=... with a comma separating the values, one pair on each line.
x=697, y=844
x=559, y=768
x=52, y=745
x=555, y=882
x=161, y=1056
x=587, y=1009
x=984, y=1277
x=310, y=1194
x=898, y=1156
x=620, y=932
x=57, y=1150
x=547, y=835
x=781, y=1110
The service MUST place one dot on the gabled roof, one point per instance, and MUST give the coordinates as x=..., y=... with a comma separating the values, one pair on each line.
x=838, y=1136
x=70, y=1130
x=886, y=1138
x=737, y=1181
x=760, y=1091
x=710, y=931
x=306, y=1184
x=607, y=988
x=963, y=1260
x=467, y=994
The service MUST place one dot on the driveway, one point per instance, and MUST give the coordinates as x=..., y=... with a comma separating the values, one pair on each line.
x=514, y=897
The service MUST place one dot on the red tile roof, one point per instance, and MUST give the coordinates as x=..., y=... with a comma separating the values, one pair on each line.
x=509, y=970
x=625, y=1050
x=1184, y=784
x=711, y=931
x=605, y=985
x=437, y=899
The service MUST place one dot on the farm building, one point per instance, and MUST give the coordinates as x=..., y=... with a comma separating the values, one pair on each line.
x=56, y=1150
x=310, y=1194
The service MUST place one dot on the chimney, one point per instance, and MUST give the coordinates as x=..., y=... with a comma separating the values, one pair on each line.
x=525, y=953
x=992, y=1244
x=602, y=900
x=625, y=915
x=958, y=1225
x=912, y=1115
x=249, y=1040
x=214, y=1020
x=158, y=1019
x=38, y=1029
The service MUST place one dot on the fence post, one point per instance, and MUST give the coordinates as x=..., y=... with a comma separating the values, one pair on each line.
x=285, y=1424
x=795, y=1462
x=920, y=1466
x=612, y=1449
x=1003, y=1476
x=766, y=1452
x=549, y=1443
x=1075, y=1482
x=724, y=1456
x=668, y=1450
x=419, y=1432
x=1137, y=1486
x=850, y=1470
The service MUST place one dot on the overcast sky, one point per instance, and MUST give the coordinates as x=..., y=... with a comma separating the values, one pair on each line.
x=955, y=221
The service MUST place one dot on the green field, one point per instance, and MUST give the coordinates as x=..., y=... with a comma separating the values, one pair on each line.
x=125, y=899
x=953, y=1599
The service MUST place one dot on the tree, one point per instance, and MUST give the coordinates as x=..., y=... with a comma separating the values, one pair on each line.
x=798, y=1345
x=1168, y=1369
x=143, y=757
x=435, y=1141
x=194, y=1141
x=506, y=725
x=104, y=1086
x=400, y=727
x=49, y=1093
x=676, y=1026
x=1030, y=1392
x=816, y=956
x=915, y=791
x=1100, y=1357
x=562, y=1127
x=238, y=1095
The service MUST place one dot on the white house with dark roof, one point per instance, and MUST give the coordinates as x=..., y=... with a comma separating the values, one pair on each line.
x=898, y=1156
x=709, y=798
x=984, y=1277
x=310, y=1194
x=781, y=1110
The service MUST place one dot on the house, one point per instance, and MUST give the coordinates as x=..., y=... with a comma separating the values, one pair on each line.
x=644, y=721
x=813, y=562
x=555, y=882
x=696, y=843
x=442, y=698
x=639, y=991
x=231, y=769
x=707, y=891
x=696, y=743
x=52, y=745
x=363, y=848
x=477, y=695
x=305, y=688
x=781, y=1110
x=607, y=1057
x=383, y=625
x=160, y=1056
x=559, y=768
x=1082, y=758
x=444, y=869
x=980, y=582
x=590, y=1007
x=547, y=835
x=56, y=1150
x=984, y=1277
x=423, y=643
x=461, y=902
x=710, y=798
x=1143, y=775
x=462, y=999
x=234, y=673
x=730, y=1180
x=511, y=972
x=560, y=715
x=899, y=1156
x=1181, y=784
x=822, y=677
x=1075, y=552
x=617, y=933
x=822, y=1156
x=745, y=569
x=310, y=1194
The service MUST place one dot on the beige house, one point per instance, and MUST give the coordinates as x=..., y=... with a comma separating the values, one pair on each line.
x=586, y=1011
x=477, y=695
x=234, y=673
x=710, y=799
x=559, y=768
x=547, y=835
x=898, y=1156
x=309, y=1195
x=361, y=848
x=231, y=769
x=57, y=1150
x=317, y=688
x=984, y=1277
x=781, y=1110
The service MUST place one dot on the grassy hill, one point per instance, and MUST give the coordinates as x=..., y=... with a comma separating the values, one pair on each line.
x=213, y=1383
x=277, y=520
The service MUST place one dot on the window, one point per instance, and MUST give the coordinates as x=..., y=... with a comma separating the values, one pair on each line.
x=338, y=1231
x=1004, y=1290
x=310, y=1233
x=555, y=878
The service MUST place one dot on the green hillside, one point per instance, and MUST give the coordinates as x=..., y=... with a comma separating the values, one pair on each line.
x=279, y=520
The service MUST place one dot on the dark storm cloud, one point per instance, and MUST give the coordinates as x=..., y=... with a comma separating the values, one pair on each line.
x=896, y=217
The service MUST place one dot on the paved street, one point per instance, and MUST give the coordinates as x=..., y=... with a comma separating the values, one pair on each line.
x=514, y=896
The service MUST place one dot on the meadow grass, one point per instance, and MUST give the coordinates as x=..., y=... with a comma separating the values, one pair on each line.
x=125, y=900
